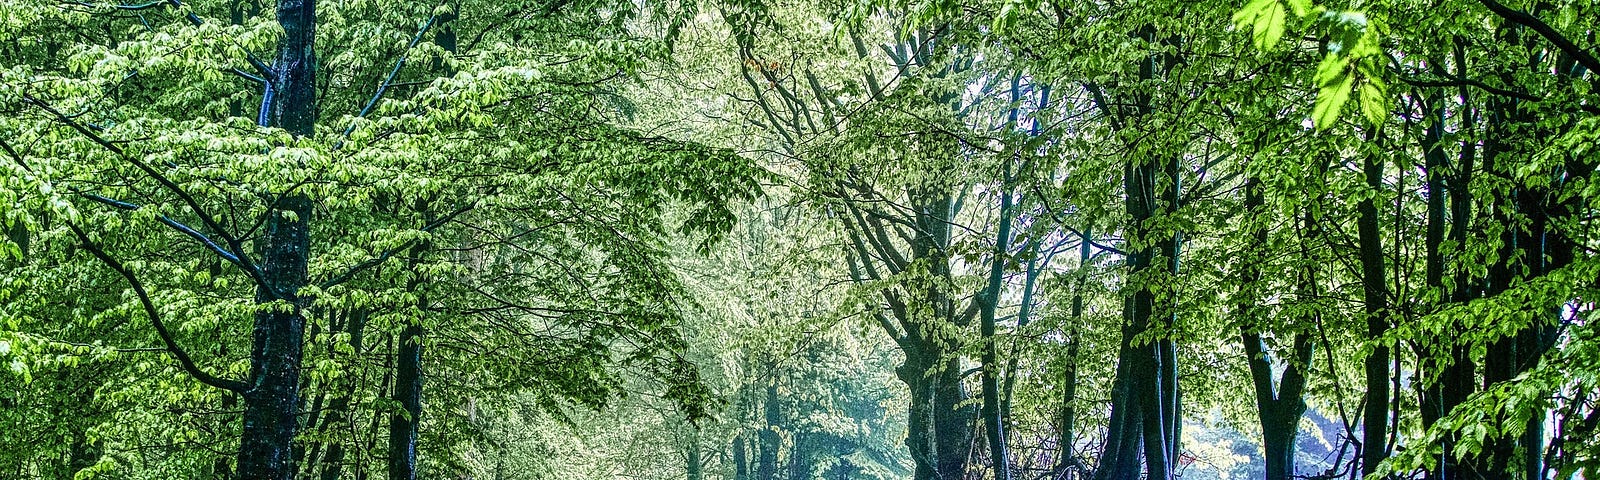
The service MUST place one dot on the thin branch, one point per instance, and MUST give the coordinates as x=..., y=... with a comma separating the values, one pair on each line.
x=168, y=221
x=390, y=253
x=245, y=75
x=155, y=316
x=389, y=80
x=235, y=247
x=1467, y=82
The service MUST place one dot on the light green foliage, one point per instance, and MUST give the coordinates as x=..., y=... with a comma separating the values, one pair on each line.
x=496, y=194
x=619, y=225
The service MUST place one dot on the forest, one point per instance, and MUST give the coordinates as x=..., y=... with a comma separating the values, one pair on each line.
x=800, y=239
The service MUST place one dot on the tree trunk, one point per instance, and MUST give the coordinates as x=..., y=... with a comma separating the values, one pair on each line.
x=1431, y=404
x=741, y=468
x=989, y=301
x=954, y=421
x=691, y=465
x=1120, y=458
x=919, y=417
x=1278, y=407
x=1375, y=418
x=1158, y=392
x=1068, y=458
x=799, y=465
x=767, y=466
x=1459, y=378
x=1145, y=400
x=270, y=404
x=408, y=393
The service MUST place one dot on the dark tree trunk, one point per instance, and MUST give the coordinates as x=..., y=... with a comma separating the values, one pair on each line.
x=1068, y=458
x=271, y=403
x=1278, y=407
x=1375, y=417
x=691, y=465
x=1120, y=458
x=799, y=463
x=741, y=468
x=919, y=434
x=1432, y=402
x=265, y=450
x=767, y=466
x=408, y=375
x=272, y=398
x=1145, y=402
x=408, y=393
x=1459, y=378
x=954, y=421
x=1158, y=393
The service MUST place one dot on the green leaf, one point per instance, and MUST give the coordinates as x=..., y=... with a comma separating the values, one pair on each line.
x=1374, y=102
x=1330, y=69
x=1266, y=19
x=1331, y=99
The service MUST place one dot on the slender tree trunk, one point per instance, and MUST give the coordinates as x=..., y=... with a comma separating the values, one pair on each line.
x=767, y=466
x=1459, y=378
x=741, y=468
x=1375, y=417
x=1158, y=392
x=1280, y=407
x=408, y=373
x=994, y=423
x=1432, y=401
x=799, y=464
x=403, y=425
x=691, y=465
x=1068, y=458
x=1145, y=397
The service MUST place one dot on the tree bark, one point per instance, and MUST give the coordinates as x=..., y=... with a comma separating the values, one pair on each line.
x=271, y=403
x=919, y=422
x=955, y=426
x=1459, y=378
x=408, y=393
x=272, y=398
x=1375, y=417
x=691, y=467
x=741, y=468
x=1068, y=458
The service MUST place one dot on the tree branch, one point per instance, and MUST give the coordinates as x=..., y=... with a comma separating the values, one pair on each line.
x=155, y=317
x=389, y=80
x=187, y=230
x=235, y=247
x=1460, y=82
x=1544, y=29
x=387, y=254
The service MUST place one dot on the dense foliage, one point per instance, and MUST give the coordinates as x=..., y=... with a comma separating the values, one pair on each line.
x=756, y=240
